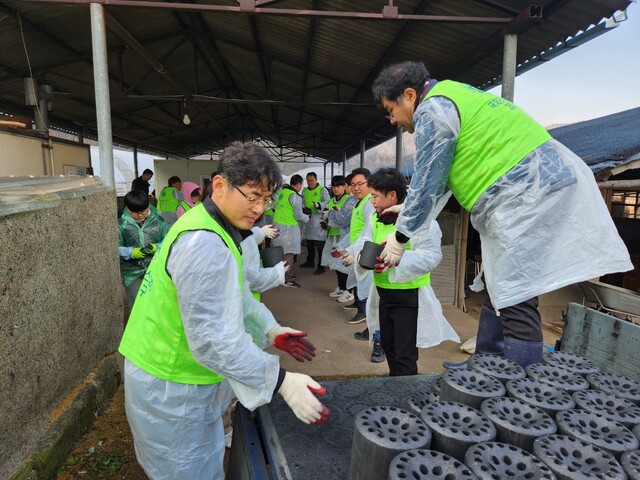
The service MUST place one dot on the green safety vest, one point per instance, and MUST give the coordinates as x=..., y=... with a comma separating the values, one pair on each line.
x=155, y=339
x=284, y=210
x=311, y=196
x=185, y=206
x=335, y=231
x=167, y=202
x=357, y=219
x=380, y=233
x=494, y=136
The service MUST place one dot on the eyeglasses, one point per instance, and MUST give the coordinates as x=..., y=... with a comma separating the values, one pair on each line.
x=139, y=214
x=359, y=184
x=253, y=201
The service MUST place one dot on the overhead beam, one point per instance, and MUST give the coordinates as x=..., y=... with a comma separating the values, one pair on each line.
x=285, y=11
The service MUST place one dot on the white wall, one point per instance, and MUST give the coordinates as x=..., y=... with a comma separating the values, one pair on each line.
x=195, y=171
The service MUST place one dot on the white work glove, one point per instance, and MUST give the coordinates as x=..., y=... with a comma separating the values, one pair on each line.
x=325, y=216
x=394, y=209
x=270, y=232
x=294, y=342
x=348, y=259
x=393, y=250
x=296, y=390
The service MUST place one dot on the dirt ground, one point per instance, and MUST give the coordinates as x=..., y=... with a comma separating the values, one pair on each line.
x=106, y=452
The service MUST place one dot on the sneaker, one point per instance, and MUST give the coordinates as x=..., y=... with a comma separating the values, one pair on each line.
x=307, y=265
x=363, y=335
x=319, y=271
x=351, y=306
x=336, y=293
x=346, y=297
x=358, y=318
x=377, y=354
x=291, y=284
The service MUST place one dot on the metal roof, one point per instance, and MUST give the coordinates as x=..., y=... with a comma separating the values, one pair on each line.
x=293, y=73
x=608, y=144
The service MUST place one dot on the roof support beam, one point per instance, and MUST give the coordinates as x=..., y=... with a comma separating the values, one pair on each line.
x=285, y=11
x=136, y=46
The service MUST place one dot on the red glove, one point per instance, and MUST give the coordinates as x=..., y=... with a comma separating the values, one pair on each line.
x=294, y=342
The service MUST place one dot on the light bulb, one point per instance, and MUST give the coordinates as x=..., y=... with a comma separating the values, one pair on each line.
x=186, y=120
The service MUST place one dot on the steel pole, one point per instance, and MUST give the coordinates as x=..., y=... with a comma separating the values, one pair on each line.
x=101, y=84
x=509, y=54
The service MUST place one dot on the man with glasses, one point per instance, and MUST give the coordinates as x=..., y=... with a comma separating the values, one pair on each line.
x=542, y=221
x=140, y=233
x=287, y=219
x=195, y=337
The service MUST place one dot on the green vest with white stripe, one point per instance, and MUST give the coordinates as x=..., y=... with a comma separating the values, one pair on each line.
x=494, y=136
x=380, y=233
x=155, y=339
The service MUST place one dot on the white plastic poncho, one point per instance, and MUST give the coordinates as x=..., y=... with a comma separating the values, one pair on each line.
x=341, y=219
x=290, y=236
x=424, y=256
x=543, y=224
x=256, y=277
x=312, y=229
x=177, y=428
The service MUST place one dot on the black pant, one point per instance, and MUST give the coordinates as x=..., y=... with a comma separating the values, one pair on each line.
x=521, y=321
x=342, y=280
x=312, y=245
x=360, y=303
x=398, y=315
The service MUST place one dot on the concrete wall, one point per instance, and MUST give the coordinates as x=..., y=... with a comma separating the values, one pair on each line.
x=29, y=153
x=60, y=303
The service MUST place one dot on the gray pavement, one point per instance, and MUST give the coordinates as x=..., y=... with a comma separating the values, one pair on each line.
x=339, y=355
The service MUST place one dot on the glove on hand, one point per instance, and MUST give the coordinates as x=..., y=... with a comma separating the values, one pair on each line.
x=151, y=249
x=296, y=390
x=294, y=342
x=317, y=205
x=336, y=253
x=347, y=259
x=306, y=210
x=325, y=216
x=138, y=254
x=393, y=250
x=393, y=210
x=270, y=232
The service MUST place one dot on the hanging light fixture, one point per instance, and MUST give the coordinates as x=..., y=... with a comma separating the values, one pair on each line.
x=186, y=120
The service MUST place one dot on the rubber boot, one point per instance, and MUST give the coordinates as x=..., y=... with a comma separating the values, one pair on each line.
x=489, y=339
x=522, y=352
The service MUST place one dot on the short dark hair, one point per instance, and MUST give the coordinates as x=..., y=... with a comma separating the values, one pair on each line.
x=338, y=180
x=313, y=174
x=136, y=201
x=348, y=179
x=147, y=172
x=243, y=163
x=295, y=180
x=393, y=80
x=361, y=171
x=173, y=180
x=388, y=180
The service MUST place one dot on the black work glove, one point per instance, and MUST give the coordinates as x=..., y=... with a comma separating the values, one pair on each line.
x=306, y=210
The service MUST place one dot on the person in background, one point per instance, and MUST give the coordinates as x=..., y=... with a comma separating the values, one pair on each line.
x=542, y=221
x=336, y=231
x=169, y=199
x=192, y=194
x=315, y=198
x=401, y=303
x=142, y=182
x=196, y=337
x=287, y=219
x=140, y=233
